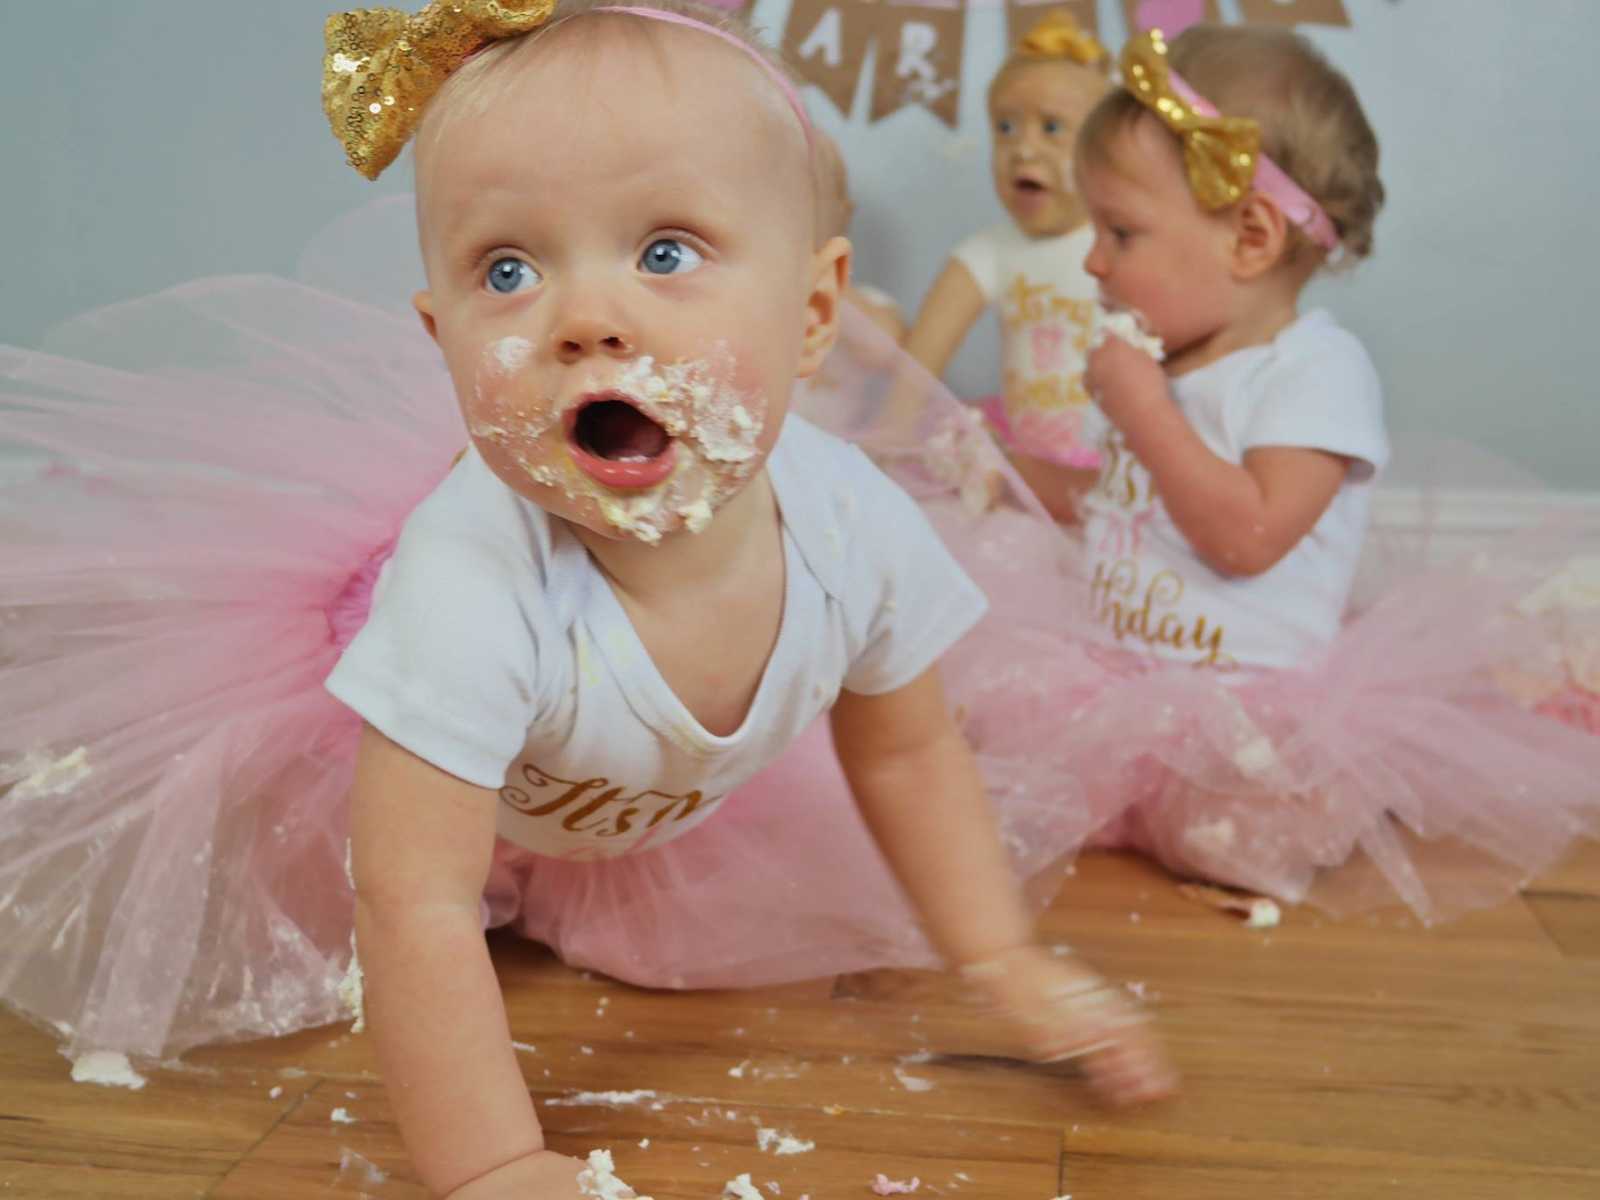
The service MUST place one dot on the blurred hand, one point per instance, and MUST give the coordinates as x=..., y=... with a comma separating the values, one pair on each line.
x=1060, y=1009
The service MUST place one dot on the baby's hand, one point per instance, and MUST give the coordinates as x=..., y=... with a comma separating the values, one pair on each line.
x=1120, y=377
x=543, y=1175
x=1063, y=1010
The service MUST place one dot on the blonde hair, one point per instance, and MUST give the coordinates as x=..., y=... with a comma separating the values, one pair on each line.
x=1312, y=124
x=1022, y=55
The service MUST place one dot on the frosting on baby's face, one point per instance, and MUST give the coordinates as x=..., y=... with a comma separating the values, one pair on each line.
x=636, y=448
x=622, y=278
x=1156, y=252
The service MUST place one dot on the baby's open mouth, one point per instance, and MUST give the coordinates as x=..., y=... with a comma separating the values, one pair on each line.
x=615, y=443
x=1028, y=185
x=616, y=430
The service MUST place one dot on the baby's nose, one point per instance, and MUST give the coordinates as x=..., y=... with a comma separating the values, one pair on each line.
x=573, y=344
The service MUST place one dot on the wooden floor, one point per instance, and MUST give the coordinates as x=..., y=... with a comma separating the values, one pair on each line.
x=1354, y=1060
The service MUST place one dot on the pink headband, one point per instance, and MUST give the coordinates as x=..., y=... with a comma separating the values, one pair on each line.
x=772, y=72
x=1271, y=180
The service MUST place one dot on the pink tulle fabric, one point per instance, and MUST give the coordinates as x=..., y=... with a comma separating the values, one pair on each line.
x=217, y=475
x=1055, y=437
x=214, y=478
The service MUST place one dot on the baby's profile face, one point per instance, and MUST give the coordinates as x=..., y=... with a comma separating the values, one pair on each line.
x=619, y=255
x=1034, y=112
x=1155, y=250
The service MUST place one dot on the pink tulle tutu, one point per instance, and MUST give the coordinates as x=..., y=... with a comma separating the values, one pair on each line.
x=216, y=474
x=1399, y=766
x=1054, y=437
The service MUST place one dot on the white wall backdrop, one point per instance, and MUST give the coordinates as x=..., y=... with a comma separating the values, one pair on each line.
x=150, y=141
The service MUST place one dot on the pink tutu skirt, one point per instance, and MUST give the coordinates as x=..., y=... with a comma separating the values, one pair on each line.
x=1057, y=439
x=210, y=479
x=212, y=476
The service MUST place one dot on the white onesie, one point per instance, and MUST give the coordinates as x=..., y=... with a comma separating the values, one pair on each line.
x=497, y=651
x=1046, y=304
x=1313, y=387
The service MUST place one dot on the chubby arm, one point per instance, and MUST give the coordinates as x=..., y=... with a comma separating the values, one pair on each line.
x=918, y=788
x=421, y=845
x=919, y=791
x=1240, y=519
x=948, y=312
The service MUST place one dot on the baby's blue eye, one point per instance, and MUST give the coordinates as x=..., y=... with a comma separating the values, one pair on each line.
x=1002, y=127
x=508, y=275
x=1052, y=126
x=669, y=256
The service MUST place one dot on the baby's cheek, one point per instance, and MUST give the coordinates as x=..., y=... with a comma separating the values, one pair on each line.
x=501, y=407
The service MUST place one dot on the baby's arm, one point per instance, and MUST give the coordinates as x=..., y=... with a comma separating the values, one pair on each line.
x=952, y=305
x=421, y=845
x=920, y=793
x=1240, y=519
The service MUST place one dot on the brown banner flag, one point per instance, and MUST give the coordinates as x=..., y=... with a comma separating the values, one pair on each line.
x=826, y=41
x=1293, y=12
x=919, y=59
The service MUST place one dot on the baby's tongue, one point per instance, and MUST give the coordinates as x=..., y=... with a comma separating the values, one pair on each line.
x=619, y=431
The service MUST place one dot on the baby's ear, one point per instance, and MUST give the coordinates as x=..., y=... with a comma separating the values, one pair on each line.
x=830, y=275
x=1260, y=236
x=423, y=303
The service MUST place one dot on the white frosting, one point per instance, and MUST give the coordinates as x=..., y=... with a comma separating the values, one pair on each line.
x=782, y=1143
x=45, y=776
x=613, y=1099
x=599, y=1179
x=1575, y=588
x=1264, y=914
x=106, y=1068
x=717, y=429
x=1126, y=325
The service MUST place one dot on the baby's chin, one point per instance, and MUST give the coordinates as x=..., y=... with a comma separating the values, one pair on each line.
x=681, y=507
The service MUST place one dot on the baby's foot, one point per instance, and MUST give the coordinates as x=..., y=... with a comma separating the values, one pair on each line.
x=1063, y=1010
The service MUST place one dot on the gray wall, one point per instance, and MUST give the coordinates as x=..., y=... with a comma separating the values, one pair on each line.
x=150, y=141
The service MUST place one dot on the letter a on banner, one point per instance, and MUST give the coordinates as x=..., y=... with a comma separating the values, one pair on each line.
x=827, y=41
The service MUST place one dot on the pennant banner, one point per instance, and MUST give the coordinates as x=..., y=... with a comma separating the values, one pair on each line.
x=919, y=60
x=1293, y=12
x=917, y=47
x=826, y=41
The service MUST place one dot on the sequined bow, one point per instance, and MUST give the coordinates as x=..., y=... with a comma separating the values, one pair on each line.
x=383, y=66
x=1056, y=35
x=1219, y=153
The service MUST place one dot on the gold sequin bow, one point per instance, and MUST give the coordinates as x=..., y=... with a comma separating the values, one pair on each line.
x=383, y=66
x=1219, y=153
x=1056, y=35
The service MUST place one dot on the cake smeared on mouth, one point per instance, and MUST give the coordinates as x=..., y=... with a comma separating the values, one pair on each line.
x=613, y=429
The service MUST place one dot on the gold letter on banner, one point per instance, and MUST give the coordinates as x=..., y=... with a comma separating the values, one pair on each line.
x=1023, y=15
x=827, y=41
x=919, y=60
x=1293, y=12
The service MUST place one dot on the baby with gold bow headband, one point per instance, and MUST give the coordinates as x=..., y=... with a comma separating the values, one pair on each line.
x=1030, y=266
x=645, y=580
